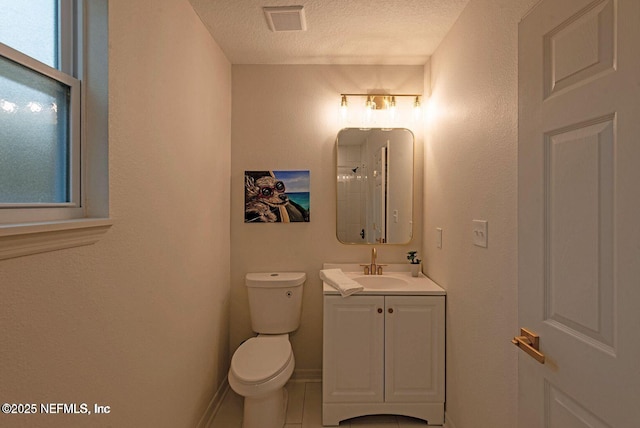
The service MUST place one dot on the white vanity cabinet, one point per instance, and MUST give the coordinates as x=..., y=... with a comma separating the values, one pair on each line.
x=383, y=354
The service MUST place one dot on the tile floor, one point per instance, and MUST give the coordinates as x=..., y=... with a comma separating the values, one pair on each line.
x=305, y=411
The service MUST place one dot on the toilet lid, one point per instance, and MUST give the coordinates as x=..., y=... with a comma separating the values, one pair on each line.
x=260, y=358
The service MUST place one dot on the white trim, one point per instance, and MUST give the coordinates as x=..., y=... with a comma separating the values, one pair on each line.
x=333, y=413
x=306, y=375
x=75, y=144
x=37, y=66
x=66, y=37
x=214, y=405
x=24, y=239
x=301, y=375
x=17, y=214
x=447, y=421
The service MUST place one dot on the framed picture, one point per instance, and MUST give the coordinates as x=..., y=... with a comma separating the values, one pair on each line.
x=276, y=196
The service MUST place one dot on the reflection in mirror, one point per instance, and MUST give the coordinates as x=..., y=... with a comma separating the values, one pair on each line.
x=375, y=185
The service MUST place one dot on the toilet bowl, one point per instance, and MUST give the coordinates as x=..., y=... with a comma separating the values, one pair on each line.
x=262, y=365
x=260, y=368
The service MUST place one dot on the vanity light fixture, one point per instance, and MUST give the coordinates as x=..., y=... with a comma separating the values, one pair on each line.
x=380, y=102
x=417, y=109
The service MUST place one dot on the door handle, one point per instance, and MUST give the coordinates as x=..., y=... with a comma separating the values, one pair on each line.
x=529, y=342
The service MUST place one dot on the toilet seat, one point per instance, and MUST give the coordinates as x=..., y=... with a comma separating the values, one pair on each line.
x=261, y=358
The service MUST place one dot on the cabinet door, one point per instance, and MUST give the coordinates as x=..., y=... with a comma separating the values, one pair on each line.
x=414, y=349
x=353, y=349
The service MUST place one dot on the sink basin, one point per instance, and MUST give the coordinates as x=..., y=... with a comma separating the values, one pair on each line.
x=379, y=281
x=396, y=281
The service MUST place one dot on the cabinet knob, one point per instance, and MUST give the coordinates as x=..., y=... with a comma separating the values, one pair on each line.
x=390, y=310
x=379, y=310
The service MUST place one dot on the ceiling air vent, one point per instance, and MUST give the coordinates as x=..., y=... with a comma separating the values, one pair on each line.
x=285, y=18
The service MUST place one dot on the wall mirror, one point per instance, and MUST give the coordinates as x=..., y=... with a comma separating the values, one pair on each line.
x=375, y=185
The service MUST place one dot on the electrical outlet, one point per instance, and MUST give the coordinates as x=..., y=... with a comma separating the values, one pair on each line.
x=438, y=237
x=480, y=234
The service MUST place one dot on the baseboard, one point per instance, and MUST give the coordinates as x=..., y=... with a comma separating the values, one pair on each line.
x=301, y=375
x=214, y=405
x=306, y=375
x=447, y=421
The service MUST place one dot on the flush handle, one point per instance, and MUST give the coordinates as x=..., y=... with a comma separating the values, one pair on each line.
x=529, y=342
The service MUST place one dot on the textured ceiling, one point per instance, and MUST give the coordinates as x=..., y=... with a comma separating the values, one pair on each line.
x=402, y=32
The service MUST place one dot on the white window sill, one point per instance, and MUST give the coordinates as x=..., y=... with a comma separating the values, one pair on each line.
x=31, y=238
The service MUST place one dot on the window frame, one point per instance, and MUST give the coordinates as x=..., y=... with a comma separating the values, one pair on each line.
x=52, y=211
x=33, y=228
x=69, y=56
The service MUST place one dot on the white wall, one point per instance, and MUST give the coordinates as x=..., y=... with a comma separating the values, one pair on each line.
x=286, y=117
x=470, y=173
x=138, y=321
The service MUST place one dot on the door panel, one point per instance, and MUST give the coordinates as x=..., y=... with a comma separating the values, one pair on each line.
x=581, y=48
x=579, y=194
x=354, y=341
x=564, y=412
x=579, y=213
x=414, y=349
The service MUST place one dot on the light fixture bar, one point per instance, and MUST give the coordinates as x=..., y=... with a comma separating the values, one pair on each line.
x=381, y=95
x=385, y=104
x=379, y=101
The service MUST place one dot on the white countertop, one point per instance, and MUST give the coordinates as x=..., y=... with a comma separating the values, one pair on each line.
x=418, y=286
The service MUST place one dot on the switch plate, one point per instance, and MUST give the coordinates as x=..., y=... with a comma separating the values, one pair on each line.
x=480, y=234
x=439, y=237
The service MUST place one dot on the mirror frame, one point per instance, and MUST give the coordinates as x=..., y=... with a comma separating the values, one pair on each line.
x=413, y=185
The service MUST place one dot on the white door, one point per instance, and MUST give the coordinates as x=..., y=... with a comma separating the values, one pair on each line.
x=579, y=213
x=414, y=349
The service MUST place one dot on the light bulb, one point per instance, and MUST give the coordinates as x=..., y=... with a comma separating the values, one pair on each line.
x=417, y=109
x=368, y=111
x=34, y=107
x=370, y=105
x=343, y=107
x=393, y=110
x=8, y=106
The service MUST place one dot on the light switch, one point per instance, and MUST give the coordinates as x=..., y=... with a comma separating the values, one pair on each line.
x=480, y=233
x=439, y=237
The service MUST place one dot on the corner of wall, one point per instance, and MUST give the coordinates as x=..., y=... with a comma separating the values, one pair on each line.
x=427, y=79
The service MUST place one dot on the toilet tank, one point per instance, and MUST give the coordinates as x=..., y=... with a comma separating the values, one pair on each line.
x=275, y=301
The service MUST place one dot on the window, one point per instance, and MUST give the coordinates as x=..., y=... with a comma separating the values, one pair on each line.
x=39, y=107
x=52, y=136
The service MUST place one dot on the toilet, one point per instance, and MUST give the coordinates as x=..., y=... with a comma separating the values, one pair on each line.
x=262, y=365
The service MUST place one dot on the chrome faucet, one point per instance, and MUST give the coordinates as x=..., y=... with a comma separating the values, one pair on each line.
x=373, y=268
